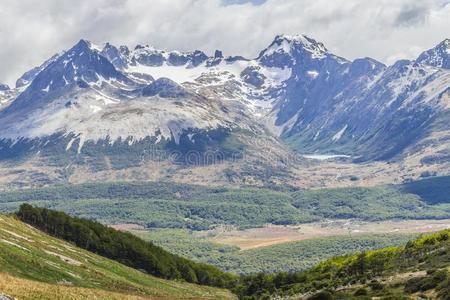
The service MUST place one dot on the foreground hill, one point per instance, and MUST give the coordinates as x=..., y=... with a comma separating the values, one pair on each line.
x=34, y=265
x=418, y=270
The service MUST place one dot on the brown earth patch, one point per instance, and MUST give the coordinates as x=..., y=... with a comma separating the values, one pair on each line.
x=274, y=234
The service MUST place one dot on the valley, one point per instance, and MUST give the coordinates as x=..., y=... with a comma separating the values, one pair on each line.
x=389, y=272
x=288, y=256
x=145, y=173
x=243, y=230
x=260, y=166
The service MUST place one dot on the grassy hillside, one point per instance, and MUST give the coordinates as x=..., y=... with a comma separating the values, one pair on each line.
x=170, y=205
x=34, y=265
x=420, y=269
x=288, y=257
x=123, y=247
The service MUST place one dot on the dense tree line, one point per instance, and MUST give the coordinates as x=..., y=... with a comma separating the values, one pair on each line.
x=171, y=205
x=429, y=252
x=285, y=257
x=123, y=247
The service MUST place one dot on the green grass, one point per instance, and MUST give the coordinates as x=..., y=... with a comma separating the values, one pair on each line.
x=30, y=254
x=287, y=257
x=171, y=205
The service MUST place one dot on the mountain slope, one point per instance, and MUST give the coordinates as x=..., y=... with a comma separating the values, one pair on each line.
x=35, y=264
x=122, y=247
x=112, y=108
x=362, y=108
x=438, y=56
x=80, y=101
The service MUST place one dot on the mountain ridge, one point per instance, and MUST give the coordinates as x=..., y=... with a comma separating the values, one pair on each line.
x=295, y=96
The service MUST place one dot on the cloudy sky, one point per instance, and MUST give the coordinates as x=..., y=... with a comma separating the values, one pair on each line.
x=33, y=30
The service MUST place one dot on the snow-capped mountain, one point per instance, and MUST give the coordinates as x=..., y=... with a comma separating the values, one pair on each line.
x=362, y=107
x=3, y=87
x=438, y=57
x=81, y=99
x=121, y=100
x=7, y=94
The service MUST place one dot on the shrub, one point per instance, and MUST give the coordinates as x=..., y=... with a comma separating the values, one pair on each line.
x=361, y=292
x=323, y=295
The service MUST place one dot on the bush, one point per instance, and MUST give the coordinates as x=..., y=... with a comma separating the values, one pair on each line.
x=376, y=286
x=425, y=283
x=324, y=295
x=361, y=292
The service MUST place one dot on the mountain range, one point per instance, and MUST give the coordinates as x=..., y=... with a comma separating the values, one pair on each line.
x=92, y=104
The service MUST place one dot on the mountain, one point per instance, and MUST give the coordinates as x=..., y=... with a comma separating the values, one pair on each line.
x=105, y=107
x=7, y=94
x=361, y=108
x=81, y=99
x=4, y=87
x=438, y=56
x=29, y=76
x=35, y=265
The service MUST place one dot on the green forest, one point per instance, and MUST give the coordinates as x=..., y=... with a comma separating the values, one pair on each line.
x=170, y=205
x=289, y=257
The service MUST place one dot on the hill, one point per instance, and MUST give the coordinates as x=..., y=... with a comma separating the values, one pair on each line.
x=42, y=266
x=420, y=269
x=34, y=265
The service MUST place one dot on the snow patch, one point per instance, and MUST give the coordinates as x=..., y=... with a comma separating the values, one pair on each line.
x=339, y=134
x=48, y=87
x=313, y=74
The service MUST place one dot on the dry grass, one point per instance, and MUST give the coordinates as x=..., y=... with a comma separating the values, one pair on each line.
x=33, y=290
x=273, y=234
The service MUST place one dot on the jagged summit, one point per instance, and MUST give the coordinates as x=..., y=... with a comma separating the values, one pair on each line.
x=4, y=87
x=438, y=56
x=293, y=50
x=296, y=90
x=78, y=67
x=286, y=44
x=84, y=44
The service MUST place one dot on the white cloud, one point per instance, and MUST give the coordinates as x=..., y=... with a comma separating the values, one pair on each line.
x=32, y=30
